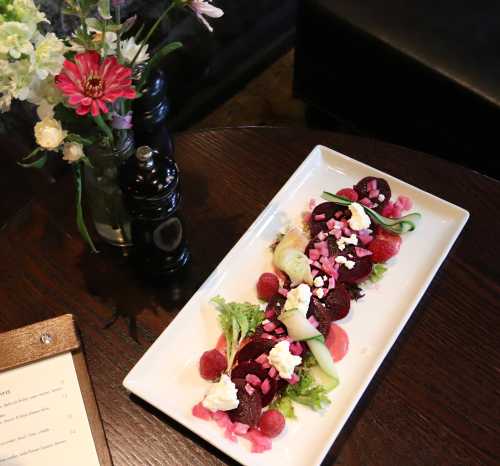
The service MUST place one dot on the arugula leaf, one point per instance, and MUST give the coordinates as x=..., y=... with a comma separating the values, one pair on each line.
x=238, y=320
x=284, y=405
x=377, y=272
x=307, y=392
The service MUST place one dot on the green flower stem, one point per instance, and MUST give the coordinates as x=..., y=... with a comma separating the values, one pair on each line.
x=104, y=127
x=80, y=220
x=152, y=30
x=103, y=40
x=119, y=37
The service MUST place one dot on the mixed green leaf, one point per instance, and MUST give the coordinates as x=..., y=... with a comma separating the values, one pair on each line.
x=306, y=392
x=238, y=320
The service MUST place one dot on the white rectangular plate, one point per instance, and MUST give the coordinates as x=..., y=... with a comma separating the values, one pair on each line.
x=167, y=375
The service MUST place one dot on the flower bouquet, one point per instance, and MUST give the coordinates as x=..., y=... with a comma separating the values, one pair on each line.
x=82, y=84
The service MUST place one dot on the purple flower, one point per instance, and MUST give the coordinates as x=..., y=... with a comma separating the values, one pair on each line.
x=203, y=8
x=121, y=121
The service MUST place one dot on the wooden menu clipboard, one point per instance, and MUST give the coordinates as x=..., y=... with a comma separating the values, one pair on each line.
x=51, y=338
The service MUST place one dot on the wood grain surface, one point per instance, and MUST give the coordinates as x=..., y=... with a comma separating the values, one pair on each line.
x=435, y=399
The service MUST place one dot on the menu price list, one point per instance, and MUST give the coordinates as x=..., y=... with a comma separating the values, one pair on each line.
x=42, y=416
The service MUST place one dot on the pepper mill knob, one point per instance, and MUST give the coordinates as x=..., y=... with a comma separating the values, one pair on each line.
x=144, y=153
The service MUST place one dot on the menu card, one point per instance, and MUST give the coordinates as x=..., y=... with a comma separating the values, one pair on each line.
x=42, y=416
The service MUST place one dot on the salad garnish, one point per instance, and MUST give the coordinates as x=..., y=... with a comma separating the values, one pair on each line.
x=237, y=320
x=395, y=225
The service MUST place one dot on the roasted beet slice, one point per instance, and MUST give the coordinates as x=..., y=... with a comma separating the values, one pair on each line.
x=383, y=187
x=252, y=367
x=361, y=270
x=338, y=302
x=249, y=367
x=250, y=406
x=321, y=314
x=254, y=349
x=269, y=396
x=355, y=291
x=328, y=209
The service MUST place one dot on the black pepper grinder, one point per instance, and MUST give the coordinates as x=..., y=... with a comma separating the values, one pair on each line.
x=150, y=113
x=150, y=185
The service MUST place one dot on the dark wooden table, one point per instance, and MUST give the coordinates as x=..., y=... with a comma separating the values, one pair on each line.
x=433, y=402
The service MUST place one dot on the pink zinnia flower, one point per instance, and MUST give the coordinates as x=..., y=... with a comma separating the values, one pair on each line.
x=203, y=8
x=91, y=84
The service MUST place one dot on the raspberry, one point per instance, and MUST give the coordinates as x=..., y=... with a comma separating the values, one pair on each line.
x=212, y=364
x=272, y=423
x=383, y=249
x=349, y=193
x=267, y=286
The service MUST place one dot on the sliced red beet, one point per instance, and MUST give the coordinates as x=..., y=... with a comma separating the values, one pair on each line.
x=250, y=406
x=361, y=270
x=382, y=186
x=338, y=302
x=254, y=349
x=328, y=209
x=248, y=367
x=269, y=396
x=322, y=315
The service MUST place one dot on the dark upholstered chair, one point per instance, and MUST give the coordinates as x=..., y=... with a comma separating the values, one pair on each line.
x=425, y=74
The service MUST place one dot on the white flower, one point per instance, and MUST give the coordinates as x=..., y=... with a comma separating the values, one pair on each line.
x=203, y=8
x=27, y=12
x=49, y=56
x=44, y=89
x=5, y=101
x=45, y=110
x=129, y=48
x=49, y=133
x=18, y=76
x=45, y=95
x=72, y=151
x=15, y=40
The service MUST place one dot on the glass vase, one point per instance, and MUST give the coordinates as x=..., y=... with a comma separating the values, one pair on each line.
x=103, y=193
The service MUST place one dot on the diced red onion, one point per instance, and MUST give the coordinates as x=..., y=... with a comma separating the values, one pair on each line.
x=265, y=386
x=253, y=380
x=372, y=184
x=269, y=327
x=319, y=217
x=249, y=389
x=362, y=252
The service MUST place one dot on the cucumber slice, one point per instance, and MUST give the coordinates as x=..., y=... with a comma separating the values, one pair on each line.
x=324, y=358
x=298, y=327
x=323, y=379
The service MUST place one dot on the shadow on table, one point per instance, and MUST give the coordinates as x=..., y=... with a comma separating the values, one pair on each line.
x=110, y=277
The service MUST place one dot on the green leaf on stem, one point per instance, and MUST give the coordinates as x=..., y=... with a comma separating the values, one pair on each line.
x=104, y=9
x=32, y=153
x=38, y=163
x=80, y=220
x=99, y=120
